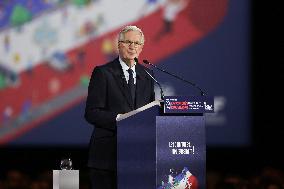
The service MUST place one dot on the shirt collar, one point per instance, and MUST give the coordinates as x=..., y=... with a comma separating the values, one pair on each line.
x=125, y=66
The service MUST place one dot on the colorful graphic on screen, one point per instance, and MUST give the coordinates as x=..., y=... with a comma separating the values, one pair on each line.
x=49, y=48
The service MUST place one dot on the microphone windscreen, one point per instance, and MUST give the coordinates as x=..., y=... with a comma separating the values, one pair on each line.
x=146, y=61
x=136, y=60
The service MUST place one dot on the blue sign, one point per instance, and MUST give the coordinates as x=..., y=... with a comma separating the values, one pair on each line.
x=181, y=152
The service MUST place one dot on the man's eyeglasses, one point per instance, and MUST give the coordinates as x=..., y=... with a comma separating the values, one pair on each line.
x=136, y=43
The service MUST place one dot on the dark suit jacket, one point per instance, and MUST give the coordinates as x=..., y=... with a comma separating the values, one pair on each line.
x=109, y=95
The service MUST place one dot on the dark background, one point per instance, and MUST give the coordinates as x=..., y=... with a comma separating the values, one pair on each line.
x=266, y=149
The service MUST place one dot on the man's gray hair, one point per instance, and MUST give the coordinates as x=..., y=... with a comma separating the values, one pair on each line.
x=130, y=28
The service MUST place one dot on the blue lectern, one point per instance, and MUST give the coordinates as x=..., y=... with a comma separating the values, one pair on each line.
x=156, y=149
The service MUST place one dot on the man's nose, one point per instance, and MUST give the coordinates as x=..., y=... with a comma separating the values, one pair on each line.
x=132, y=44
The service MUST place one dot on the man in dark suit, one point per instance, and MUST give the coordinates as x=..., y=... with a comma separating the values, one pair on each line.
x=115, y=88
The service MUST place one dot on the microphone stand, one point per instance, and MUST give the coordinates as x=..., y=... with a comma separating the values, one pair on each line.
x=193, y=84
x=161, y=90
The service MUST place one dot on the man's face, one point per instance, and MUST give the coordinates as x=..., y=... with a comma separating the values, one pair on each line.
x=130, y=46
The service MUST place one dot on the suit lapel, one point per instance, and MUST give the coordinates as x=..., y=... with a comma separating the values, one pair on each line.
x=140, y=85
x=117, y=72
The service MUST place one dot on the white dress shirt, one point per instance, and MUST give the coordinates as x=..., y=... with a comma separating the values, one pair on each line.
x=126, y=75
x=125, y=72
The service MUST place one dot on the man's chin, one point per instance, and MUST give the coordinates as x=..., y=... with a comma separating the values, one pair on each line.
x=131, y=58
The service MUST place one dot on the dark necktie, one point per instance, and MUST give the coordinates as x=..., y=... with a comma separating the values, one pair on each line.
x=131, y=84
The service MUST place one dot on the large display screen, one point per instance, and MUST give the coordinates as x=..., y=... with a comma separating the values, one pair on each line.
x=49, y=49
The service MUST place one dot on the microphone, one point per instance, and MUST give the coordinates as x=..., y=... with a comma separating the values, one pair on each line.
x=161, y=89
x=193, y=84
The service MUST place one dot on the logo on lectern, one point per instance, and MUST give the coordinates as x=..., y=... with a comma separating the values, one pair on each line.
x=208, y=107
x=183, y=180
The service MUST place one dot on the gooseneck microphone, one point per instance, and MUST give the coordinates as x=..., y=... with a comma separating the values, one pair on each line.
x=193, y=84
x=161, y=89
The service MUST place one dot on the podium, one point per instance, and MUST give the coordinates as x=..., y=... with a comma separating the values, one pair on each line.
x=157, y=150
x=65, y=179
